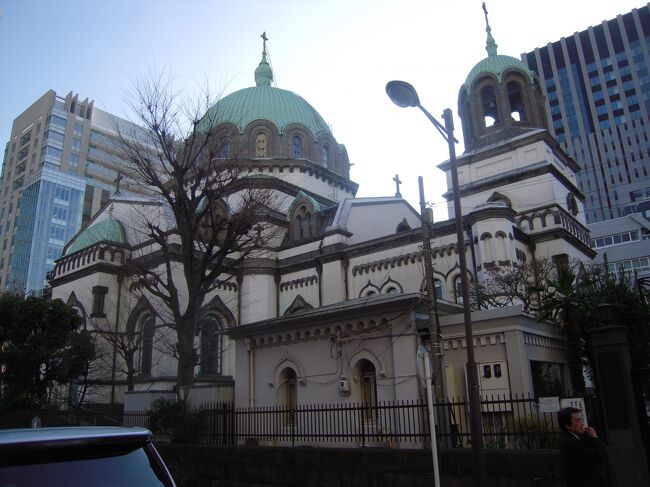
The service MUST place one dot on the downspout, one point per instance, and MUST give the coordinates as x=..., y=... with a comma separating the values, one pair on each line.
x=345, y=262
x=319, y=271
x=278, y=278
x=251, y=373
x=120, y=279
x=240, y=279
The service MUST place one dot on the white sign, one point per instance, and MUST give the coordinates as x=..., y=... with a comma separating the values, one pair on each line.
x=549, y=404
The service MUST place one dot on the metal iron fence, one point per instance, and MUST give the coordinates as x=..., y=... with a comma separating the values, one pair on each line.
x=508, y=422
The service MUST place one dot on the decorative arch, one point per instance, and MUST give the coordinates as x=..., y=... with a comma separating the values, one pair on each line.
x=298, y=306
x=368, y=354
x=216, y=306
x=262, y=137
x=391, y=286
x=369, y=290
x=73, y=302
x=288, y=361
x=497, y=197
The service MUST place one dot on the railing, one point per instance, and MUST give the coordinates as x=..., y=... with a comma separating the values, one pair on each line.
x=508, y=422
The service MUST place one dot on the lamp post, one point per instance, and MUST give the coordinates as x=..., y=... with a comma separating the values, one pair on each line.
x=404, y=95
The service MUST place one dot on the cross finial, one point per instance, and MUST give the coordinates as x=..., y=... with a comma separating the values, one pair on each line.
x=264, y=39
x=117, y=180
x=491, y=46
x=397, y=183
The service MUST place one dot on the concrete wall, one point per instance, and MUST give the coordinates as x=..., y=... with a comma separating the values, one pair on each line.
x=193, y=465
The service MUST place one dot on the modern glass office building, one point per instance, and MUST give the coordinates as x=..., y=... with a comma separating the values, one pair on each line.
x=597, y=86
x=60, y=166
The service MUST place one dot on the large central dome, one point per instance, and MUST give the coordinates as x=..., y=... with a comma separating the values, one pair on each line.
x=265, y=102
x=282, y=107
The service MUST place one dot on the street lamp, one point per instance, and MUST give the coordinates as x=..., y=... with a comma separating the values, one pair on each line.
x=404, y=95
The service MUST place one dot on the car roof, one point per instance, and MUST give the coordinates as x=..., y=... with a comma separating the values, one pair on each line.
x=41, y=438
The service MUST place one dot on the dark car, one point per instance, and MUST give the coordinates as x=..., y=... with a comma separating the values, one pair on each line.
x=80, y=456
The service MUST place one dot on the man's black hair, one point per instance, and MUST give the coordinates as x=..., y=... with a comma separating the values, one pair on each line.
x=564, y=417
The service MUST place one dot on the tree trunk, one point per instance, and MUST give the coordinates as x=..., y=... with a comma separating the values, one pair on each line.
x=186, y=354
x=130, y=371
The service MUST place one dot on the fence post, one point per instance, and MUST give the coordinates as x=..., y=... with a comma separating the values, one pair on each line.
x=292, y=425
x=363, y=426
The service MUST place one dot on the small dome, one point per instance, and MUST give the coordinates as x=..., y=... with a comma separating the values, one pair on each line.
x=497, y=65
x=109, y=230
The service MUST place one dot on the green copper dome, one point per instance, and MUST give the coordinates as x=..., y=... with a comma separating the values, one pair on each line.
x=265, y=102
x=109, y=230
x=496, y=64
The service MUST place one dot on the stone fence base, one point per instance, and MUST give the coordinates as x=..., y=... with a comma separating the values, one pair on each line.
x=199, y=466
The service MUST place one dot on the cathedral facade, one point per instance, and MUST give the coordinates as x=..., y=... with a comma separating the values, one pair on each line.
x=328, y=312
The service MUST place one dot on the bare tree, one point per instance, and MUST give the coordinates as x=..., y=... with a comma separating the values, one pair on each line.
x=524, y=284
x=120, y=348
x=192, y=167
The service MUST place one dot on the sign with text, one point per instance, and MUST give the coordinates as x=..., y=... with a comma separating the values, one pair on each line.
x=549, y=404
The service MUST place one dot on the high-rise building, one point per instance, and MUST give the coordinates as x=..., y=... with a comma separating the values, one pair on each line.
x=597, y=86
x=60, y=166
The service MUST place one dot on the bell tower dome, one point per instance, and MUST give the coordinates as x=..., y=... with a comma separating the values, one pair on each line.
x=501, y=98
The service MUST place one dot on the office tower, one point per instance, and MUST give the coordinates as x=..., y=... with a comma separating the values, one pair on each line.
x=60, y=166
x=598, y=101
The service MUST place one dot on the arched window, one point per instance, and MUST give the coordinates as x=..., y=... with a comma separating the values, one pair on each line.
x=224, y=150
x=368, y=379
x=300, y=228
x=326, y=156
x=458, y=290
x=297, y=147
x=489, y=104
x=146, y=346
x=437, y=285
x=515, y=100
x=288, y=393
x=303, y=223
x=210, y=348
x=260, y=145
x=307, y=224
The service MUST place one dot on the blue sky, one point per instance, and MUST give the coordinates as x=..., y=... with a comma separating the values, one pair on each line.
x=337, y=54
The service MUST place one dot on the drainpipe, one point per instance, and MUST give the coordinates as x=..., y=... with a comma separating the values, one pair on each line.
x=120, y=279
x=345, y=262
x=240, y=280
x=251, y=373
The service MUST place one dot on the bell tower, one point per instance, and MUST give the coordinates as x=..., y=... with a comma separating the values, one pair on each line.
x=500, y=99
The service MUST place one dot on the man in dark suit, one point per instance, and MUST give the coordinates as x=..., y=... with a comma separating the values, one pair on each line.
x=583, y=454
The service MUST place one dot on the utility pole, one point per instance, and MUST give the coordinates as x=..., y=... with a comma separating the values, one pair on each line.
x=432, y=302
